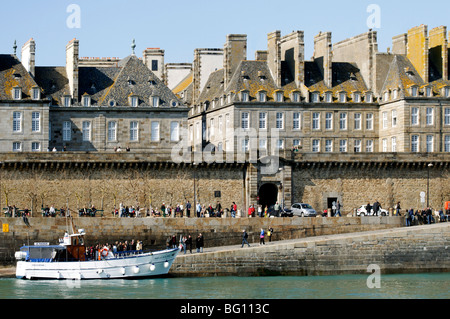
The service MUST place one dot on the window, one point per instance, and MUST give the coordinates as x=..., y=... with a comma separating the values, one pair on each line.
x=35, y=122
x=357, y=121
x=447, y=144
x=17, y=93
x=36, y=94
x=429, y=116
x=414, y=116
x=262, y=96
x=394, y=144
x=263, y=120
x=315, y=97
x=262, y=144
x=343, y=121
x=280, y=120
x=86, y=101
x=328, y=97
x=134, y=101
x=155, y=101
x=280, y=144
x=394, y=118
x=244, y=145
x=245, y=97
x=429, y=92
x=67, y=101
x=134, y=131
x=296, y=121
x=386, y=96
x=220, y=125
x=67, y=131
x=211, y=128
x=175, y=131
x=385, y=119
x=112, y=131
x=369, y=98
x=357, y=147
x=154, y=65
x=17, y=147
x=155, y=131
x=244, y=120
x=414, y=143
x=35, y=146
x=356, y=97
x=329, y=121
x=295, y=97
x=342, y=97
x=279, y=96
x=369, y=146
x=86, y=131
x=17, y=122
x=447, y=91
x=414, y=91
x=430, y=143
x=447, y=116
x=328, y=146
x=385, y=146
x=369, y=121
x=296, y=142
x=343, y=146
x=315, y=146
x=316, y=121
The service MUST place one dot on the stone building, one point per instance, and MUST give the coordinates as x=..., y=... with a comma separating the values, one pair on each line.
x=351, y=124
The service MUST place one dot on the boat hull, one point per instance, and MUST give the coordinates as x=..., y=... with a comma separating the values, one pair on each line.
x=137, y=266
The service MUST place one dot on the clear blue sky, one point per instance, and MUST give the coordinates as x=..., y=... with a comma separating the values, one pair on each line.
x=180, y=26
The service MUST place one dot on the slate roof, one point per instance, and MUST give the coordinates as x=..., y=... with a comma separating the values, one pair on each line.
x=105, y=84
x=13, y=74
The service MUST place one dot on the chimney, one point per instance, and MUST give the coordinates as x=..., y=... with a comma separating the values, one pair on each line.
x=417, y=50
x=399, y=44
x=154, y=60
x=235, y=51
x=28, y=56
x=438, y=45
x=72, y=52
x=323, y=56
x=261, y=55
x=274, y=55
x=292, y=48
x=206, y=61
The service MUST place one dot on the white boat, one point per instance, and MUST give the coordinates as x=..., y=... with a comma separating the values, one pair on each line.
x=67, y=260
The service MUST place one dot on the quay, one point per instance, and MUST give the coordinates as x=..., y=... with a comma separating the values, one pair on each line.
x=300, y=246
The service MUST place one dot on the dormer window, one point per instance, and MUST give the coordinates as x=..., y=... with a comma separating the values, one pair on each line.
x=356, y=97
x=262, y=96
x=155, y=101
x=328, y=97
x=67, y=100
x=229, y=98
x=245, y=96
x=315, y=97
x=279, y=97
x=369, y=97
x=86, y=100
x=130, y=82
x=112, y=103
x=295, y=97
x=134, y=101
x=395, y=94
x=414, y=91
x=428, y=92
x=386, y=96
x=446, y=91
x=35, y=94
x=342, y=97
x=17, y=93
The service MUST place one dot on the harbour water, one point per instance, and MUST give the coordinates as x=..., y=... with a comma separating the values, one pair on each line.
x=407, y=286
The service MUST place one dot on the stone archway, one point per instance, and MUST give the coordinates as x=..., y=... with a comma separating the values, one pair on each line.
x=268, y=194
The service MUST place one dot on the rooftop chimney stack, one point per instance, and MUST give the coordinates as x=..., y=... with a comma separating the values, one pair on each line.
x=235, y=51
x=323, y=56
x=28, y=56
x=72, y=53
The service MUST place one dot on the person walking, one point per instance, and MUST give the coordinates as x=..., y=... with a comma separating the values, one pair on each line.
x=261, y=237
x=270, y=233
x=338, y=209
x=245, y=238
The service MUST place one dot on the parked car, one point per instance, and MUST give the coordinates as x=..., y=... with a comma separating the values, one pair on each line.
x=361, y=211
x=284, y=212
x=303, y=210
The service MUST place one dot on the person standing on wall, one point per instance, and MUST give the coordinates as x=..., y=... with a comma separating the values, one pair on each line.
x=338, y=209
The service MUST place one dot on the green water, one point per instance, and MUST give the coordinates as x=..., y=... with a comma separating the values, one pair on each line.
x=417, y=286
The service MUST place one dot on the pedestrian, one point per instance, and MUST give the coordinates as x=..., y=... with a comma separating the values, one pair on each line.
x=199, y=243
x=25, y=217
x=261, y=237
x=259, y=211
x=276, y=207
x=174, y=242
x=188, y=209
x=198, y=209
x=338, y=209
x=244, y=238
x=397, y=209
x=189, y=243
x=251, y=211
x=233, y=209
x=270, y=233
x=410, y=217
x=375, y=208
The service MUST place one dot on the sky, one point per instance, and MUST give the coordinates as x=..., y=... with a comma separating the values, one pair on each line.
x=107, y=28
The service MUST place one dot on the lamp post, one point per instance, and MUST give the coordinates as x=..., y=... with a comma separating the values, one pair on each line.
x=428, y=184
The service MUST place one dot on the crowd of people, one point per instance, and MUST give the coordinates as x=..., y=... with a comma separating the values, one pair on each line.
x=185, y=243
x=94, y=252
